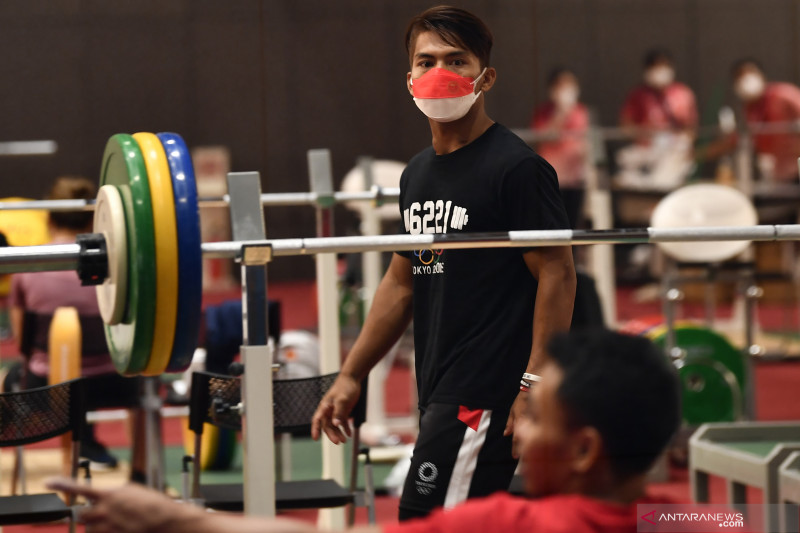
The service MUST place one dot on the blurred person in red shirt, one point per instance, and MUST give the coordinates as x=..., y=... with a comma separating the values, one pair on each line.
x=662, y=114
x=563, y=122
x=606, y=407
x=769, y=103
x=659, y=102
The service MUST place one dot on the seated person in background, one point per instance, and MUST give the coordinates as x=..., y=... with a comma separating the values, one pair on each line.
x=768, y=103
x=607, y=406
x=662, y=116
x=660, y=102
x=42, y=292
x=564, y=122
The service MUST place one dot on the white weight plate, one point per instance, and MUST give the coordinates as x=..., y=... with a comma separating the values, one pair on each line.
x=109, y=220
x=704, y=205
x=385, y=173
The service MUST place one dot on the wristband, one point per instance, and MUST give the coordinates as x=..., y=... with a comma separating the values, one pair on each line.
x=525, y=384
x=531, y=377
x=524, y=389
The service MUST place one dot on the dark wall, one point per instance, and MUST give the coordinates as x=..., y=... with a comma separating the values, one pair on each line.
x=272, y=79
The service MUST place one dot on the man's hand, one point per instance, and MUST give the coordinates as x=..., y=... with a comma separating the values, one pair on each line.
x=129, y=509
x=334, y=409
x=517, y=410
x=135, y=509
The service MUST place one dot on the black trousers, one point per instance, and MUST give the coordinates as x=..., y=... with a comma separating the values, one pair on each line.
x=459, y=454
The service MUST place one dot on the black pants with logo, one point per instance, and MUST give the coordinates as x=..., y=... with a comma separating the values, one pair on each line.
x=459, y=454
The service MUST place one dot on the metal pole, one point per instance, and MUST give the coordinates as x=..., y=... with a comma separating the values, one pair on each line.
x=321, y=178
x=154, y=455
x=601, y=259
x=371, y=270
x=247, y=222
x=267, y=199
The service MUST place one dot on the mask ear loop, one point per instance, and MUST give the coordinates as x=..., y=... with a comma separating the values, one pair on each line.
x=476, y=80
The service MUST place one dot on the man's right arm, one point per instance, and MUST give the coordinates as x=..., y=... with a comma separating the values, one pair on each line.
x=386, y=321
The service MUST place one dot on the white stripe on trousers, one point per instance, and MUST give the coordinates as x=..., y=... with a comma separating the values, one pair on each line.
x=467, y=460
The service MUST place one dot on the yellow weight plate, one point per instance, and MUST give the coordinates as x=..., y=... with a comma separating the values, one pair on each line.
x=166, y=234
x=21, y=228
x=218, y=446
x=64, y=342
x=64, y=346
x=25, y=227
x=209, y=447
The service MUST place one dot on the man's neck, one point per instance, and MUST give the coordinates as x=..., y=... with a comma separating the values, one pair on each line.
x=625, y=492
x=450, y=136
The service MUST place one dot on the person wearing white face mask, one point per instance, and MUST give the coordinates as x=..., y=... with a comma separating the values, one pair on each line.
x=660, y=103
x=482, y=317
x=564, y=121
x=764, y=103
x=661, y=114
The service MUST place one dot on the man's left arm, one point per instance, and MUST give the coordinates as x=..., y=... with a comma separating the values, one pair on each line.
x=554, y=269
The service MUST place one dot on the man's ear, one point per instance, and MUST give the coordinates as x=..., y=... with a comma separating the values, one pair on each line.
x=408, y=83
x=587, y=449
x=487, y=82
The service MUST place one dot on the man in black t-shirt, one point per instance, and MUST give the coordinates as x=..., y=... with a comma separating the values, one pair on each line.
x=482, y=317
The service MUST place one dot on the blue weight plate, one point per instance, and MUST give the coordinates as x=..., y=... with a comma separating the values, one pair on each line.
x=190, y=258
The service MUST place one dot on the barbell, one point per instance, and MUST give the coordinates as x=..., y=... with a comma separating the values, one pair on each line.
x=145, y=254
x=376, y=194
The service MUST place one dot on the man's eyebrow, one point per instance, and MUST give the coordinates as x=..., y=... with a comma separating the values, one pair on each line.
x=425, y=55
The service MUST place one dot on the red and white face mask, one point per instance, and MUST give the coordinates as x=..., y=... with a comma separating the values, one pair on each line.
x=443, y=95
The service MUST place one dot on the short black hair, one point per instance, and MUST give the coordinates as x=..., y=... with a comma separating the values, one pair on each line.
x=742, y=62
x=72, y=188
x=623, y=386
x=657, y=55
x=456, y=27
x=555, y=74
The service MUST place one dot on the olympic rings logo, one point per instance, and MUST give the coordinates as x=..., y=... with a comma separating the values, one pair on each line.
x=426, y=257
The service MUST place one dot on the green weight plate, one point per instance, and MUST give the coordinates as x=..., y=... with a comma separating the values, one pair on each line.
x=703, y=343
x=130, y=341
x=710, y=393
x=226, y=450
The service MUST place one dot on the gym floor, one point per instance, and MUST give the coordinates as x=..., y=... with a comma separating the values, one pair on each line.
x=775, y=400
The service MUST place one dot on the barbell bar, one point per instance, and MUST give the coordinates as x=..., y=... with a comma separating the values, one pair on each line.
x=376, y=193
x=52, y=257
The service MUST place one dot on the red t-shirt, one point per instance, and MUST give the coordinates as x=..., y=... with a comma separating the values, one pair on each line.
x=673, y=107
x=43, y=292
x=568, y=513
x=567, y=154
x=779, y=103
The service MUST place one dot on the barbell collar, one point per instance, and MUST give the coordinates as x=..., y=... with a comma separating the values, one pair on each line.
x=92, y=258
